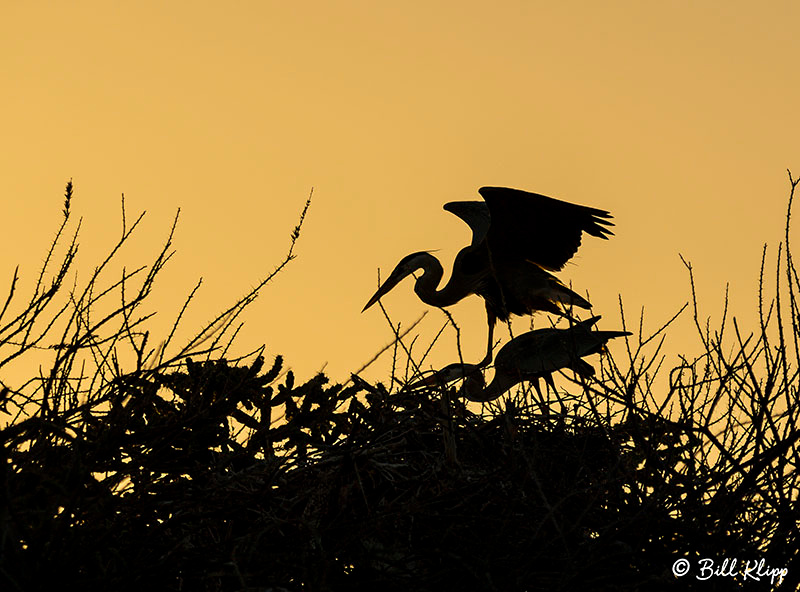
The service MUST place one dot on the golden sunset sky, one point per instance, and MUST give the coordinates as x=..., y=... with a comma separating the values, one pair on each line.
x=681, y=118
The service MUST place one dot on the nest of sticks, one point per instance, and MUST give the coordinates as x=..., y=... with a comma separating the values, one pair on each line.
x=214, y=478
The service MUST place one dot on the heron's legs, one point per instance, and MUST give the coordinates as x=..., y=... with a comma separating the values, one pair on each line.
x=549, y=385
x=542, y=401
x=491, y=319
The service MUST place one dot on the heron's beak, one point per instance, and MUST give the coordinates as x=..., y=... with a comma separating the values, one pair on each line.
x=385, y=287
x=400, y=272
x=446, y=375
x=429, y=380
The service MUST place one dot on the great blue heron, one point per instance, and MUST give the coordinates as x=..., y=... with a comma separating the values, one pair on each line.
x=517, y=237
x=530, y=356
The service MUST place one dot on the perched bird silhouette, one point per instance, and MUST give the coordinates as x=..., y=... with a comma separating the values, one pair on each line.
x=517, y=238
x=530, y=356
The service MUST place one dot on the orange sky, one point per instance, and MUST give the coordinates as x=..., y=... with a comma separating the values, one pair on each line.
x=680, y=118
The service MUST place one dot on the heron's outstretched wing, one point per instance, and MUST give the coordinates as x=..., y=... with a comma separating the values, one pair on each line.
x=541, y=229
x=475, y=214
x=547, y=350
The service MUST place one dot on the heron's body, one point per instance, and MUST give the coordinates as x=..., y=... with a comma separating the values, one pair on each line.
x=533, y=288
x=530, y=356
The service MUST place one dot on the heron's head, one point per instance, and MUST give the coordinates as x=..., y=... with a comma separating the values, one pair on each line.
x=473, y=387
x=408, y=265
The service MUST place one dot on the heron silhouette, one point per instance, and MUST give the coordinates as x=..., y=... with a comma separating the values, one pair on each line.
x=517, y=239
x=530, y=356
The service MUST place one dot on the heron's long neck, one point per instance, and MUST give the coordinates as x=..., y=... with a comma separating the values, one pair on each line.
x=427, y=283
x=499, y=385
